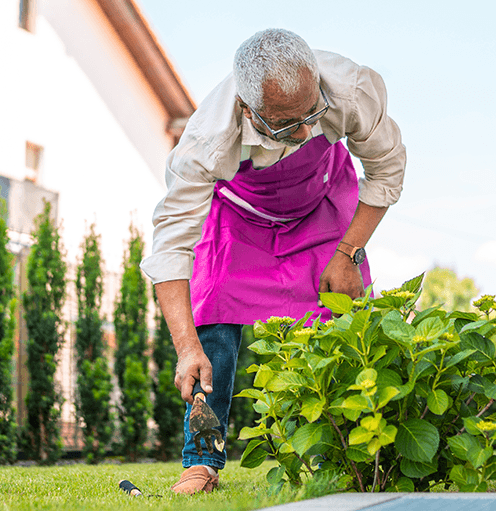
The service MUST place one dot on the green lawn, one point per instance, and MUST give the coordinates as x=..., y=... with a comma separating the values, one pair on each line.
x=96, y=487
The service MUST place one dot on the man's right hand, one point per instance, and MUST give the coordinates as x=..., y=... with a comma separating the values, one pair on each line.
x=192, y=365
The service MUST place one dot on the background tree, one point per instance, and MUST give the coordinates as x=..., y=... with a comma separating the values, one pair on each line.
x=43, y=303
x=131, y=361
x=168, y=407
x=442, y=286
x=8, y=443
x=94, y=385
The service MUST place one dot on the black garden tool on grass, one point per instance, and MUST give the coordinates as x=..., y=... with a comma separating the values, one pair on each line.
x=203, y=420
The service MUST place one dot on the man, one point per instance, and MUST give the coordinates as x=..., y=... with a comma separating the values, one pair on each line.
x=261, y=177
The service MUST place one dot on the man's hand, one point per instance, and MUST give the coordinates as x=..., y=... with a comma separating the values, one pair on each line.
x=192, y=364
x=342, y=276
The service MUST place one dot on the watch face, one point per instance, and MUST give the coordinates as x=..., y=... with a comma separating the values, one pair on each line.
x=359, y=256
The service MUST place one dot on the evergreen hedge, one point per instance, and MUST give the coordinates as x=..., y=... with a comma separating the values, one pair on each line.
x=131, y=361
x=8, y=427
x=43, y=301
x=94, y=385
x=168, y=407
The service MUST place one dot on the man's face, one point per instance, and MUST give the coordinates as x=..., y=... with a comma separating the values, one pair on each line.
x=282, y=110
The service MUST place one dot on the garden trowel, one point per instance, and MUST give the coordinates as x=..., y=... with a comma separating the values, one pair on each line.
x=202, y=420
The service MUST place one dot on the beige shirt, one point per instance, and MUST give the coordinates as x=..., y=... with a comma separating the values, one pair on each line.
x=218, y=137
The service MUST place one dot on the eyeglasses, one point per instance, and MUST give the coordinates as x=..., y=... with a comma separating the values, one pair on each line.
x=293, y=128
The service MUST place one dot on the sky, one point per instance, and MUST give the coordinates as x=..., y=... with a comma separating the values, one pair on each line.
x=438, y=60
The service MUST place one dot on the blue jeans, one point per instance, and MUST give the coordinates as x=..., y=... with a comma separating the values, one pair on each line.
x=221, y=344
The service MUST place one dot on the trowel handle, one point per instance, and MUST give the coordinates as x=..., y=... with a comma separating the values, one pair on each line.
x=198, y=390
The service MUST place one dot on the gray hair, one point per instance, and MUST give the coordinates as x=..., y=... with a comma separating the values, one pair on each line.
x=275, y=54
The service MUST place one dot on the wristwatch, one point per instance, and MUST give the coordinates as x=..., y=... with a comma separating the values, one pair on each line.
x=356, y=254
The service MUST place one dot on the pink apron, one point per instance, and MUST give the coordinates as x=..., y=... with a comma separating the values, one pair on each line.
x=269, y=235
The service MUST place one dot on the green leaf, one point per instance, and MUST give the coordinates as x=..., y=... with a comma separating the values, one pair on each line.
x=418, y=469
x=388, y=378
x=405, y=389
x=253, y=393
x=431, y=328
x=388, y=301
x=373, y=446
x=485, y=350
x=360, y=435
x=479, y=456
x=380, y=352
x=358, y=453
x=438, y=401
x=398, y=331
x=360, y=321
x=263, y=330
x=417, y=440
x=352, y=415
x=338, y=303
x=385, y=395
x=413, y=285
x=433, y=311
x=471, y=316
x=388, y=435
x=463, y=476
x=286, y=381
x=403, y=485
x=312, y=408
x=265, y=347
x=264, y=374
x=311, y=435
x=483, y=385
x=252, y=369
x=470, y=424
x=460, y=445
x=474, y=326
x=253, y=456
x=247, y=432
x=356, y=403
x=254, y=459
x=275, y=474
x=366, y=374
x=456, y=359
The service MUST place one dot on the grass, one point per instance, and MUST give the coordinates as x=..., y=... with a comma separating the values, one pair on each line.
x=90, y=487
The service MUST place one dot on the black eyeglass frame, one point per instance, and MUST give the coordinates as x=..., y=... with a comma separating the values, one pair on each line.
x=293, y=128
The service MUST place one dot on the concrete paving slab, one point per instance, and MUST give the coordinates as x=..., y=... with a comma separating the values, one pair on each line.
x=396, y=502
x=343, y=502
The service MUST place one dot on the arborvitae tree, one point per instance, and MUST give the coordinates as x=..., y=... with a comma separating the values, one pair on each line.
x=168, y=407
x=131, y=362
x=8, y=444
x=46, y=271
x=94, y=385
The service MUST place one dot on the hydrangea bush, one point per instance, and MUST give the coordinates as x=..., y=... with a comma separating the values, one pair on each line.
x=383, y=397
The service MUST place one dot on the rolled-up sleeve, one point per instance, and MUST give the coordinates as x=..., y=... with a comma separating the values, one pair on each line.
x=208, y=150
x=375, y=139
x=179, y=216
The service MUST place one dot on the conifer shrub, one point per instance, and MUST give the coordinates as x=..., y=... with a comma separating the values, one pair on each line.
x=94, y=386
x=131, y=360
x=42, y=302
x=168, y=407
x=8, y=428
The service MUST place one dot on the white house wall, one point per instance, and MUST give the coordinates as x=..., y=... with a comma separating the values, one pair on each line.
x=73, y=88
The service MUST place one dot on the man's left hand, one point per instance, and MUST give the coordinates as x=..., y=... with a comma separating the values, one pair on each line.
x=342, y=276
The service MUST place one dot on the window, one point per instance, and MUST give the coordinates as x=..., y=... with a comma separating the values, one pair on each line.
x=27, y=14
x=34, y=154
